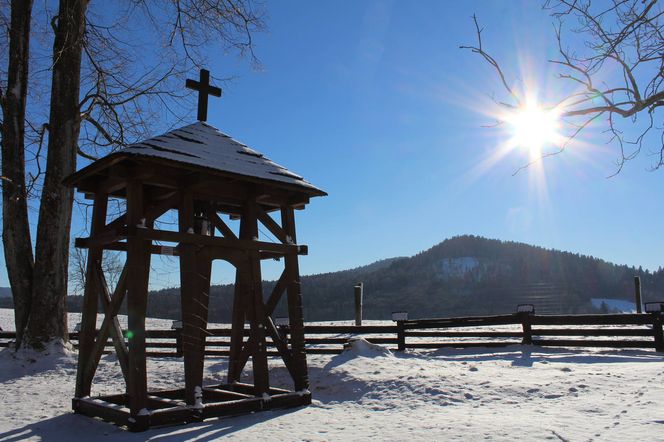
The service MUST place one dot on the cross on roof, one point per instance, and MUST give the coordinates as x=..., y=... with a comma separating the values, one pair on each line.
x=204, y=89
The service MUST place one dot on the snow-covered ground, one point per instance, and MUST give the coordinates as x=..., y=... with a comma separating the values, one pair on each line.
x=614, y=305
x=368, y=393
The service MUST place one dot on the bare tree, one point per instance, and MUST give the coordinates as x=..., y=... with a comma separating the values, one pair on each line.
x=15, y=226
x=112, y=266
x=115, y=76
x=615, y=75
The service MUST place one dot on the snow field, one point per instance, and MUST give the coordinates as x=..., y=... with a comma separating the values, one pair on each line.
x=369, y=393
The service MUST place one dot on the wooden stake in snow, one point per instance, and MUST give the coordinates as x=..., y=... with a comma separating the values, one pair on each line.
x=359, y=289
x=637, y=294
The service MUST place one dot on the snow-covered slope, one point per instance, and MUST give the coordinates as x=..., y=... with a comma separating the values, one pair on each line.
x=614, y=305
x=368, y=393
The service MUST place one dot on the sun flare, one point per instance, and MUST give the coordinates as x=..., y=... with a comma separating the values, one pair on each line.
x=533, y=128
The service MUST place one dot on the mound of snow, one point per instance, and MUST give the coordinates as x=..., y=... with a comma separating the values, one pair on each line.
x=364, y=348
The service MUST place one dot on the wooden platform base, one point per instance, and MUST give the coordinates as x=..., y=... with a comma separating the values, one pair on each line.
x=167, y=407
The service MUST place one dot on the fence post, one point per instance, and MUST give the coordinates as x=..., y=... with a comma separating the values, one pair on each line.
x=637, y=294
x=177, y=327
x=527, y=328
x=359, y=289
x=401, y=336
x=657, y=330
x=524, y=313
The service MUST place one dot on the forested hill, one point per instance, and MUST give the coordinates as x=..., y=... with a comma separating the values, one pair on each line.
x=474, y=275
x=464, y=275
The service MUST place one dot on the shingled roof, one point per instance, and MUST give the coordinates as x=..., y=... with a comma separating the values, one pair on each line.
x=202, y=145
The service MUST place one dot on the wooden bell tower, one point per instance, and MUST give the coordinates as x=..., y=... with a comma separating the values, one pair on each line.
x=202, y=175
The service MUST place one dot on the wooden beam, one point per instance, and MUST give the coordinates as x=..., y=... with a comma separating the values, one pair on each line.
x=256, y=306
x=137, y=285
x=295, y=313
x=273, y=227
x=110, y=315
x=151, y=213
x=111, y=308
x=194, y=238
x=154, y=249
x=220, y=225
x=188, y=297
x=90, y=301
x=276, y=294
x=237, y=323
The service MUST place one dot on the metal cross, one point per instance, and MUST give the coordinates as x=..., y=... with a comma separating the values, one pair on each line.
x=204, y=89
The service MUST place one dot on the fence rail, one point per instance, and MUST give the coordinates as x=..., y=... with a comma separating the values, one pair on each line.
x=442, y=333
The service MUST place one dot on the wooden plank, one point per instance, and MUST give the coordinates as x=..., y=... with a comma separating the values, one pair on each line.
x=464, y=334
x=592, y=343
x=612, y=319
x=324, y=351
x=216, y=394
x=461, y=344
x=161, y=334
x=171, y=416
x=102, y=409
x=230, y=408
x=288, y=400
x=609, y=332
x=321, y=341
x=157, y=403
x=461, y=320
x=349, y=329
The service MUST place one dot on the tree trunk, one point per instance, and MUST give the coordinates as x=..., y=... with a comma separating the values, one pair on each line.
x=15, y=227
x=48, y=316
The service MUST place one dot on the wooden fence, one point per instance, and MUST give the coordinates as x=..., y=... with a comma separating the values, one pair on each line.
x=639, y=330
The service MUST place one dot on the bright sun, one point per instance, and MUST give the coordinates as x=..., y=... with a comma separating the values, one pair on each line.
x=533, y=128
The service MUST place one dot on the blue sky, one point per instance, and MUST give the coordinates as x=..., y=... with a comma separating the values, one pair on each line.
x=374, y=102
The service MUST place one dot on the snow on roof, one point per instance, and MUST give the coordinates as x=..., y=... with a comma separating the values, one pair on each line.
x=203, y=145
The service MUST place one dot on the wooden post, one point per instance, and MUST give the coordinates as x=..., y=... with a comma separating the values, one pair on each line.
x=237, y=323
x=658, y=333
x=359, y=291
x=295, y=314
x=178, y=342
x=137, y=295
x=188, y=299
x=526, y=321
x=637, y=294
x=401, y=336
x=86, y=337
x=256, y=305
